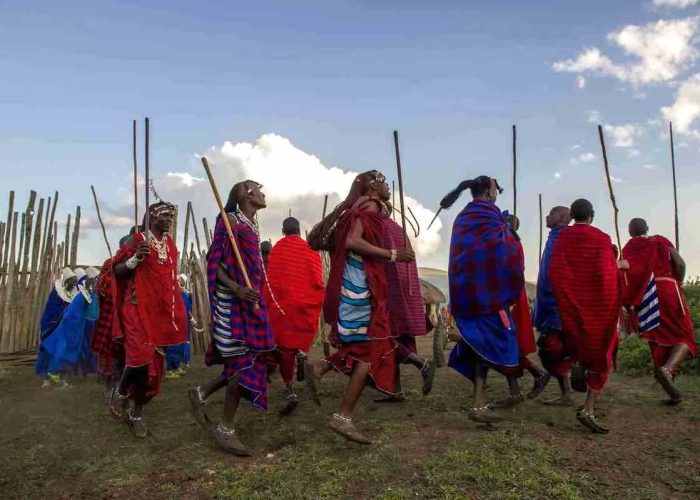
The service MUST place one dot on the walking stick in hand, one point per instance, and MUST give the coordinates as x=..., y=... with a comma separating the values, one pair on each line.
x=227, y=224
x=401, y=202
x=616, y=211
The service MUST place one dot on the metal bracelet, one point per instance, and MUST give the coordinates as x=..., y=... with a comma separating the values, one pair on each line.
x=132, y=262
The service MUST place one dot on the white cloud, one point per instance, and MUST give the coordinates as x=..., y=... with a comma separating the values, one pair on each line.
x=587, y=157
x=580, y=82
x=557, y=175
x=650, y=166
x=683, y=145
x=575, y=147
x=681, y=4
x=686, y=108
x=593, y=117
x=633, y=153
x=615, y=179
x=623, y=135
x=291, y=178
x=657, y=52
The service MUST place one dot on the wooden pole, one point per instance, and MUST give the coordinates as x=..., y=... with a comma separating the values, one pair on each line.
x=136, y=181
x=675, y=189
x=325, y=207
x=401, y=200
x=616, y=211
x=196, y=231
x=99, y=218
x=66, y=243
x=393, y=200
x=541, y=230
x=224, y=216
x=147, y=229
x=74, y=241
x=6, y=320
x=187, y=235
x=8, y=230
x=515, y=175
x=46, y=228
x=207, y=234
x=52, y=227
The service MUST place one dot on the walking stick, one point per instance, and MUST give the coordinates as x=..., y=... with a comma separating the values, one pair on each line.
x=99, y=218
x=401, y=202
x=147, y=224
x=324, y=333
x=540, y=202
x=616, y=211
x=515, y=171
x=227, y=224
x=675, y=190
x=136, y=181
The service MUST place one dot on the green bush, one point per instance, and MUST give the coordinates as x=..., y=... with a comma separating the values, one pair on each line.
x=634, y=356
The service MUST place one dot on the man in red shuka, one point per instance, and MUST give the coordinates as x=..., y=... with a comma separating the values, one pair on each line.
x=586, y=284
x=294, y=294
x=653, y=293
x=149, y=313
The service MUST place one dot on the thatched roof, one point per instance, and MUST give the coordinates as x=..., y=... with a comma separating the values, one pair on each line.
x=431, y=294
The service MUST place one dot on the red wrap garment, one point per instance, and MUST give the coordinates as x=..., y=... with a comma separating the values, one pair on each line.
x=295, y=278
x=586, y=283
x=652, y=255
x=149, y=310
x=524, y=331
x=378, y=351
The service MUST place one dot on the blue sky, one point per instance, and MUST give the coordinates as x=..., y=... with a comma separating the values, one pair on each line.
x=335, y=78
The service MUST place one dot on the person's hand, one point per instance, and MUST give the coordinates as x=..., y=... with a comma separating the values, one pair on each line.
x=405, y=255
x=248, y=294
x=142, y=250
x=623, y=265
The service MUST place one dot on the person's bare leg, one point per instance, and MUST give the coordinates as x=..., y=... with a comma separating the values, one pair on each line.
x=515, y=396
x=341, y=423
x=480, y=411
x=542, y=378
x=314, y=371
x=678, y=353
x=565, y=387
x=199, y=394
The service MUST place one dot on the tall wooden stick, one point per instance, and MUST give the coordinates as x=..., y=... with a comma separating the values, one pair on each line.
x=148, y=179
x=187, y=235
x=99, y=218
x=393, y=200
x=401, y=201
x=675, y=189
x=74, y=241
x=224, y=216
x=66, y=245
x=207, y=234
x=515, y=175
x=616, y=211
x=136, y=181
x=196, y=232
x=8, y=230
x=541, y=230
x=325, y=207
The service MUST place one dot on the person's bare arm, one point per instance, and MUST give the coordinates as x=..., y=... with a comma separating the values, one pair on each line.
x=357, y=243
x=678, y=264
x=121, y=269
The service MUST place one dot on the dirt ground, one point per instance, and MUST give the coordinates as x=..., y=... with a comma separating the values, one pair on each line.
x=60, y=443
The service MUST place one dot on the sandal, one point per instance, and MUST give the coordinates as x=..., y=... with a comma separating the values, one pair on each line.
x=393, y=398
x=483, y=415
x=540, y=385
x=343, y=426
x=137, y=426
x=587, y=419
x=292, y=403
x=229, y=441
x=117, y=404
x=560, y=401
x=197, y=408
x=510, y=402
x=665, y=379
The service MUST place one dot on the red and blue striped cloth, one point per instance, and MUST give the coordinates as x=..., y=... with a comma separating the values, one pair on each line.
x=486, y=268
x=241, y=333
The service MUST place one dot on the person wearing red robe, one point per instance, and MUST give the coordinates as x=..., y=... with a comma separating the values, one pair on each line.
x=585, y=278
x=356, y=304
x=294, y=294
x=525, y=334
x=148, y=314
x=653, y=295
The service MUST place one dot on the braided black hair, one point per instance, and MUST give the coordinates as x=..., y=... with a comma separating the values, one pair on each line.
x=477, y=186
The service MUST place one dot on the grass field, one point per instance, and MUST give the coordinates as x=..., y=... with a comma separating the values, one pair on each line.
x=60, y=443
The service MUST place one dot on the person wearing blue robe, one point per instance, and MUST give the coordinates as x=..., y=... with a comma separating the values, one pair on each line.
x=178, y=355
x=546, y=314
x=69, y=344
x=59, y=299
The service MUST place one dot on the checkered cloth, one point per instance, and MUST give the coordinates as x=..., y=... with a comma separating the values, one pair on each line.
x=242, y=324
x=486, y=269
x=102, y=344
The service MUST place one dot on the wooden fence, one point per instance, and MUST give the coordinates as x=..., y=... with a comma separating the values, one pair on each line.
x=30, y=260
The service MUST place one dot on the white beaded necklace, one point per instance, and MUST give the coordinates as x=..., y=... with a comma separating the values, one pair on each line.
x=256, y=229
